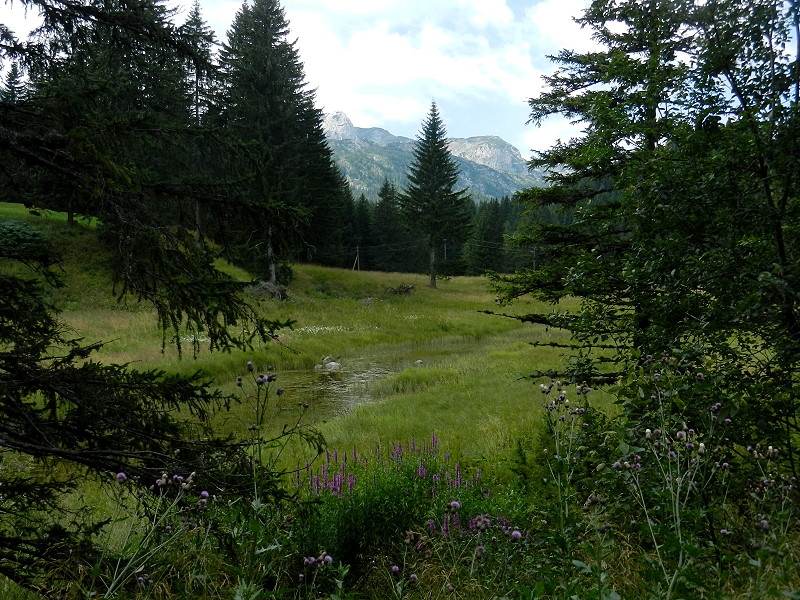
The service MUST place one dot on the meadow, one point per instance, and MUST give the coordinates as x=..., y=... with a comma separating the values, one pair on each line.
x=447, y=472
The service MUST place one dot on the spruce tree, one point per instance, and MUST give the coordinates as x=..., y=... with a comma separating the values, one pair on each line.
x=389, y=236
x=484, y=250
x=291, y=188
x=681, y=200
x=430, y=204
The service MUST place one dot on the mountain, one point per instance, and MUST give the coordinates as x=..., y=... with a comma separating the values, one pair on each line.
x=490, y=167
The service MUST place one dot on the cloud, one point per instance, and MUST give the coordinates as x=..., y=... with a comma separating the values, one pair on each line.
x=383, y=61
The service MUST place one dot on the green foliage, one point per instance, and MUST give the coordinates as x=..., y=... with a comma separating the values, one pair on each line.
x=678, y=201
x=430, y=204
x=294, y=196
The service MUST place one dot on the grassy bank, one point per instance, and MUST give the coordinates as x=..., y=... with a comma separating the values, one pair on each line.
x=448, y=473
x=412, y=364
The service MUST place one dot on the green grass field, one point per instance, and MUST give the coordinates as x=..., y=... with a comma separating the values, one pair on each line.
x=412, y=364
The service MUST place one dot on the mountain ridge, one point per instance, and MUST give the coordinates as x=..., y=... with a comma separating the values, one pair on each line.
x=489, y=166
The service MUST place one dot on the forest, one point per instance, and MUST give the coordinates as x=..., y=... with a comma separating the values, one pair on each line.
x=655, y=277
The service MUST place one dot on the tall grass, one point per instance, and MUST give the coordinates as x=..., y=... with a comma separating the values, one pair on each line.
x=439, y=363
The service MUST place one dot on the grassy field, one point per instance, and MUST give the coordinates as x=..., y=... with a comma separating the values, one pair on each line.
x=565, y=519
x=412, y=364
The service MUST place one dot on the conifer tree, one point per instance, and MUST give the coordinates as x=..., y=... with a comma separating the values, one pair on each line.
x=291, y=185
x=430, y=204
x=681, y=199
x=389, y=236
x=484, y=250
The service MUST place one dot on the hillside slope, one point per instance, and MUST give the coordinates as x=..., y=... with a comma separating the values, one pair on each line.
x=490, y=167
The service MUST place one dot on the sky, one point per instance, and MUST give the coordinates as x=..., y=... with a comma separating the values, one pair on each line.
x=382, y=62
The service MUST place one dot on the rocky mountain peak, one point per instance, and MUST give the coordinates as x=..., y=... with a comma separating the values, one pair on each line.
x=338, y=126
x=489, y=150
x=489, y=166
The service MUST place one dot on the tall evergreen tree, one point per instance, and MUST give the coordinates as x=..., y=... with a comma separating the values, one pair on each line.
x=629, y=98
x=363, y=231
x=291, y=183
x=390, y=238
x=431, y=204
x=484, y=250
x=199, y=70
x=13, y=89
x=683, y=198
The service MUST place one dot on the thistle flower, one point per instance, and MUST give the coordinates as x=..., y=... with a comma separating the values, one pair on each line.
x=121, y=477
x=395, y=569
x=516, y=534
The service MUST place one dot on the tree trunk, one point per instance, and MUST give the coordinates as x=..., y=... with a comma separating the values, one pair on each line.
x=198, y=223
x=432, y=250
x=273, y=279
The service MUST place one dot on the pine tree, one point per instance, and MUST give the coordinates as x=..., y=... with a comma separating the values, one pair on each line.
x=199, y=69
x=430, y=204
x=389, y=236
x=484, y=251
x=293, y=192
x=363, y=231
x=13, y=91
x=681, y=200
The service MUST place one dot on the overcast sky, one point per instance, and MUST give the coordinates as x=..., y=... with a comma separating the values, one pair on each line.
x=382, y=62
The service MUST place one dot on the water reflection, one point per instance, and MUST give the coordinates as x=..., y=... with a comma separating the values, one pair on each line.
x=330, y=395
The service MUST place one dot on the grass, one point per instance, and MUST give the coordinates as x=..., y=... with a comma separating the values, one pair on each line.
x=413, y=365
x=422, y=362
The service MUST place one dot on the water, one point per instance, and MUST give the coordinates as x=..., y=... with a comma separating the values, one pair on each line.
x=332, y=395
